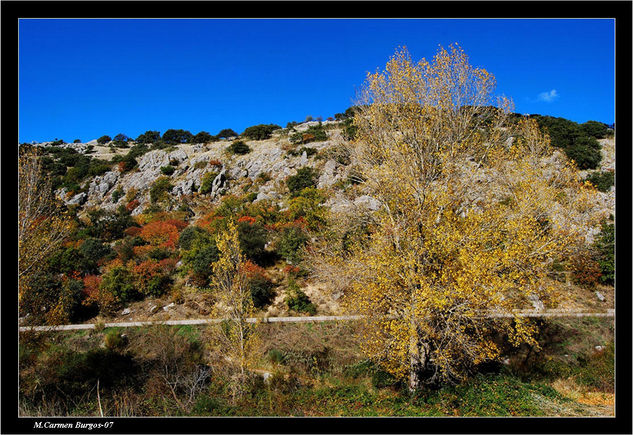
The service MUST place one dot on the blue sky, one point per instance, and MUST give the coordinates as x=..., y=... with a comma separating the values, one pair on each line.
x=86, y=78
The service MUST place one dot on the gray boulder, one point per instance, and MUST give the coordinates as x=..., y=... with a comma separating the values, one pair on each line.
x=78, y=199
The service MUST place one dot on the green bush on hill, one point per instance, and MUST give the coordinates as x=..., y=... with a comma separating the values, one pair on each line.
x=596, y=129
x=260, y=132
x=104, y=139
x=226, y=133
x=160, y=189
x=202, y=137
x=601, y=180
x=148, y=137
x=305, y=177
x=239, y=147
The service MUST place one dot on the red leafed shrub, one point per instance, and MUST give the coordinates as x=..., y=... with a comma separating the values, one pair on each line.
x=168, y=265
x=249, y=219
x=132, y=231
x=180, y=225
x=211, y=223
x=160, y=234
x=215, y=162
x=91, y=285
x=132, y=204
x=291, y=270
x=97, y=295
x=122, y=166
x=151, y=277
x=585, y=270
x=253, y=270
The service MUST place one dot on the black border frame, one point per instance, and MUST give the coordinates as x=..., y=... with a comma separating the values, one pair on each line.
x=620, y=10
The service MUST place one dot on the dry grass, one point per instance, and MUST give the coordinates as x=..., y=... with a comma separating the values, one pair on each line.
x=570, y=389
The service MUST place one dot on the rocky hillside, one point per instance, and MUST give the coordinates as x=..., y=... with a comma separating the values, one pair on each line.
x=268, y=165
x=197, y=179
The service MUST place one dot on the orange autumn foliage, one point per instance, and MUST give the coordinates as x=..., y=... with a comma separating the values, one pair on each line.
x=160, y=234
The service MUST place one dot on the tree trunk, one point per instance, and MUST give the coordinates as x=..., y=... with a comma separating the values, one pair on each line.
x=418, y=356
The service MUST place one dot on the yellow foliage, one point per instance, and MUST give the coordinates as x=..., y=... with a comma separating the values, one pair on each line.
x=238, y=338
x=471, y=214
x=42, y=225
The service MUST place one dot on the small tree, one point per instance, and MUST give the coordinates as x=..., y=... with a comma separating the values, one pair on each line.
x=306, y=177
x=149, y=136
x=239, y=147
x=42, y=224
x=202, y=137
x=260, y=132
x=173, y=137
x=104, y=140
x=226, y=133
x=238, y=338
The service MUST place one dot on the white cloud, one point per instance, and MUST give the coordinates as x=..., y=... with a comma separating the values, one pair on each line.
x=548, y=97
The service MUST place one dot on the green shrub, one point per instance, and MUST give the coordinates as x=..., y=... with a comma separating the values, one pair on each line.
x=93, y=250
x=307, y=205
x=174, y=137
x=148, y=137
x=314, y=133
x=57, y=142
x=253, y=238
x=114, y=341
x=596, y=129
x=160, y=189
x=207, y=182
x=601, y=180
x=605, y=247
x=239, y=147
x=276, y=356
x=120, y=140
x=117, y=194
x=97, y=168
x=104, y=139
x=226, y=133
x=349, y=130
x=167, y=170
x=261, y=290
x=119, y=282
x=189, y=235
x=77, y=141
x=200, y=164
x=585, y=151
x=291, y=243
x=200, y=254
x=108, y=225
x=260, y=132
x=202, y=137
x=306, y=177
x=297, y=300
x=561, y=131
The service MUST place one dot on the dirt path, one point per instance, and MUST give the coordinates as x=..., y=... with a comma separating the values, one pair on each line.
x=518, y=313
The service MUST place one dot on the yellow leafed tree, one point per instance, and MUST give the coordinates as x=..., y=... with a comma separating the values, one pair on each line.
x=238, y=338
x=42, y=226
x=474, y=206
